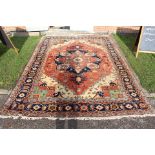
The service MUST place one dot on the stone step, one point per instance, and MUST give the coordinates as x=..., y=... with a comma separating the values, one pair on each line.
x=4, y=92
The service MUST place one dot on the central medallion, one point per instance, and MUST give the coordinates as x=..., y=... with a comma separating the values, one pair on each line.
x=77, y=65
x=77, y=62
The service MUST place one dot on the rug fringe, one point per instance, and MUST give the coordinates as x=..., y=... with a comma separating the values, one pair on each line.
x=76, y=118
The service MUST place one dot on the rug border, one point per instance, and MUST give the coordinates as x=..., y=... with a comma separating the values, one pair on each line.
x=134, y=75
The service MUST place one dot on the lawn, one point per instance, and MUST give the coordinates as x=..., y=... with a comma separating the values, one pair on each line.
x=11, y=64
x=144, y=65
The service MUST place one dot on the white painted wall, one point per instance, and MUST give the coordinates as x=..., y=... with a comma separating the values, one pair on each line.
x=37, y=28
x=80, y=27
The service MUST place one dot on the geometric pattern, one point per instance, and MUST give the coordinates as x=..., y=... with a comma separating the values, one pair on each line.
x=76, y=76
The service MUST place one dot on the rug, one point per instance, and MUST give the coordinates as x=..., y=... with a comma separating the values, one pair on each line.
x=81, y=76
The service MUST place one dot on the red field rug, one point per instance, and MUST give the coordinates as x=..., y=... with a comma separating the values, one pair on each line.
x=77, y=77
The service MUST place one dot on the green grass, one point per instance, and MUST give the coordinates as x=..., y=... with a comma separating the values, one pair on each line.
x=144, y=65
x=11, y=64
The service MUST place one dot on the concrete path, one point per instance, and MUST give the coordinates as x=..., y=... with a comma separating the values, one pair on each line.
x=124, y=123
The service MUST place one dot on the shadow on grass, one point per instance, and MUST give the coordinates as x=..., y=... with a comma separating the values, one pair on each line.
x=129, y=39
x=18, y=42
x=3, y=49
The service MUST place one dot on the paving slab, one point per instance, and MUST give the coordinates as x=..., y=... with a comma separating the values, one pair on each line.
x=123, y=123
x=3, y=99
x=4, y=92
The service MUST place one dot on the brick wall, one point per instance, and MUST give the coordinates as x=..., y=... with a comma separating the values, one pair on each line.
x=114, y=29
x=14, y=28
